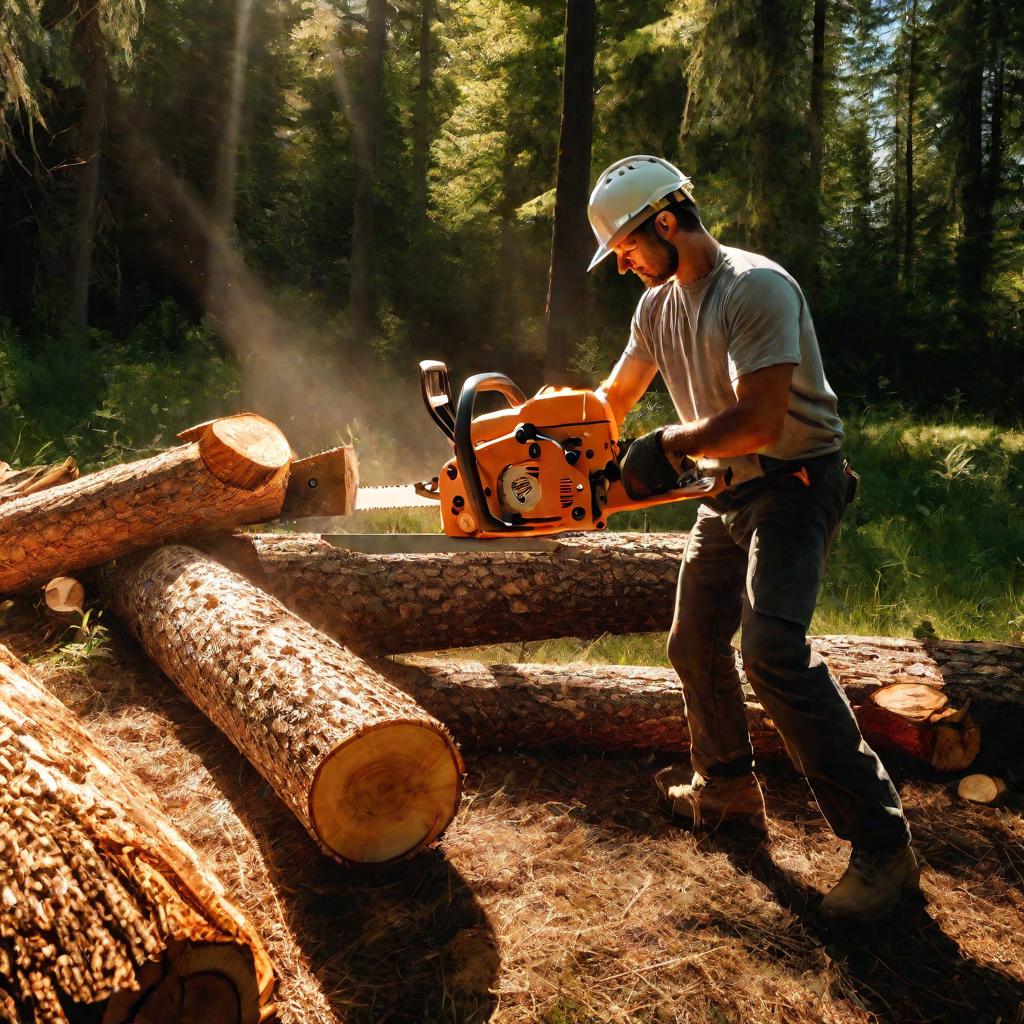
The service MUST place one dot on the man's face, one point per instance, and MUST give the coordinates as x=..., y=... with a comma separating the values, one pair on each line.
x=651, y=258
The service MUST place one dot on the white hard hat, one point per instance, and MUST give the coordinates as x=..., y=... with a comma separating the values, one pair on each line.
x=627, y=193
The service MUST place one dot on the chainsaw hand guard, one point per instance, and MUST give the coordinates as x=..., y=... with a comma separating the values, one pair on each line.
x=646, y=470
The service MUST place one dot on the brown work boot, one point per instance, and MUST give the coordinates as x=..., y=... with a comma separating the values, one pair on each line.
x=703, y=804
x=872, y=885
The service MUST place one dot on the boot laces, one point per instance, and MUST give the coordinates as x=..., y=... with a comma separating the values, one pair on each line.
x=866, y=863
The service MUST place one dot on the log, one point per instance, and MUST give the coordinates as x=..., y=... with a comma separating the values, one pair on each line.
x=370, y=775
x=235, y=471
x=614, y=708
x=17, y=483
x=105, y=912
x=64, y=595
x=576, y=708
x=915, y=719
x=582, y=586
x=989, y=675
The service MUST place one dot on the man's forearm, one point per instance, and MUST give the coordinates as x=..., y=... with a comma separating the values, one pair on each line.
x=734, y=431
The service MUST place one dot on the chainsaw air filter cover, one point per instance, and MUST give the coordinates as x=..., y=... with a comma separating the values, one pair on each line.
x=520, y=488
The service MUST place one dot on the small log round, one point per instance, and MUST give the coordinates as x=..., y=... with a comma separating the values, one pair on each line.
x=64, y=594
x=244, y=450
x=982, y=789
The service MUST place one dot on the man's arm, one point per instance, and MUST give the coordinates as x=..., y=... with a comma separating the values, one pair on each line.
x=753, y=423
x=625, y=385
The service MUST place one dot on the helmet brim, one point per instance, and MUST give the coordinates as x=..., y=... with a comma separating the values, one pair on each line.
x=604, y=251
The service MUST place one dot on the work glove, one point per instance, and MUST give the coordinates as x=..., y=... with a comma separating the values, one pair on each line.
x=646, y=470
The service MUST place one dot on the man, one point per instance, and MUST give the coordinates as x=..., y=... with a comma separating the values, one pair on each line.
x=731, y=334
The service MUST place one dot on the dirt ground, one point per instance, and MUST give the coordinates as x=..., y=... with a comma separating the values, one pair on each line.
x=563, y=893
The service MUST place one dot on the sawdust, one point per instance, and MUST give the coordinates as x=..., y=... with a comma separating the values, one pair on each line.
x=562, y=893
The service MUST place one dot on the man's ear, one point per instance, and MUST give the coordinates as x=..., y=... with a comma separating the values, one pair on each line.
x=666, y=225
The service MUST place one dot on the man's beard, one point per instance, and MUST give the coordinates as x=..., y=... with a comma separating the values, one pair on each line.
x=663, y=264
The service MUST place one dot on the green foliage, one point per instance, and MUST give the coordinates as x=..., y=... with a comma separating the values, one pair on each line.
x=104, y=400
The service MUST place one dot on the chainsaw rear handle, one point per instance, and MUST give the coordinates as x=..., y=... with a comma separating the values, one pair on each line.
x=464, y=453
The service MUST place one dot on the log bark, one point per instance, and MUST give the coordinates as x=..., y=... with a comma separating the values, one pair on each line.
x=232, y=471
x=370, y=775
x=614, y=708
x=583, y=586
x=989, y=675
x=575, y=708
x=104, y=909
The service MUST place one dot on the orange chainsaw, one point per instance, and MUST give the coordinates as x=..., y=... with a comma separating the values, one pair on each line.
x=544, y=465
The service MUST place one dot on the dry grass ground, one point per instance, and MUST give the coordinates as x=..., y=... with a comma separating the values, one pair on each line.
x=563, y=893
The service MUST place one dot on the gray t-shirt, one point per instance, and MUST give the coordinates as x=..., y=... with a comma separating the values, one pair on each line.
x=748, y=313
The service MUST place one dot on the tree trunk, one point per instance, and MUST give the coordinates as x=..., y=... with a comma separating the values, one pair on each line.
x=368, y=773
x=612, y=708
x=910, y=213
x=91, y=45
x=583, y=586
x=361, y=303
x=222, y=231
x=815, y=123
x=227, y=157
x=971, y=255
x=106, y=912
x=421, y=122
x=233, y=471
x=572, y=241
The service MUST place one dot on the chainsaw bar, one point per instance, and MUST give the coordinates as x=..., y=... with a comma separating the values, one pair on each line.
x=400, y=496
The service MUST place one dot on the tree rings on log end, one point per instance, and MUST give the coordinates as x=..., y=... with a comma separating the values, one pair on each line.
x=203, y=983
x=386, y=792
x=243, y=451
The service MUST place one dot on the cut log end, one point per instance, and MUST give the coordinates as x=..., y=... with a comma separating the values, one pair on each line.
x=203, y=983
x=981, y=789
x=244, y=451
x=915, y=719
x=387, y=792
x=64, y=594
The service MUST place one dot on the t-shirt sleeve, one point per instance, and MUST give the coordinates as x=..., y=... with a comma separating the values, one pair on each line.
x=763, y=318
x=639, y=345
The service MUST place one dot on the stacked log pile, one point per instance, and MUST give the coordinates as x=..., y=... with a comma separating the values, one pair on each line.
x=105, y=914
x=103, y=906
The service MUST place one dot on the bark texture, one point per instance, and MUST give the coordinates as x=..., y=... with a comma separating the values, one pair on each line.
x=615, y=708
x=100, y=896
x=572, y=241
x=218, y=481
x=585, y=586
x=563, y=708
x=986, y=674
x=370, y=775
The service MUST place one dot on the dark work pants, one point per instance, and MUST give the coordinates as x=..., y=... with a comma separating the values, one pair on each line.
x=755, y=557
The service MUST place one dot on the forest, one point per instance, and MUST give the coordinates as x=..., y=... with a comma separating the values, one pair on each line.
x=203, y=200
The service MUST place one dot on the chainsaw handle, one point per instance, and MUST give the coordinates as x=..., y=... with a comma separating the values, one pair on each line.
x=464, y=454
